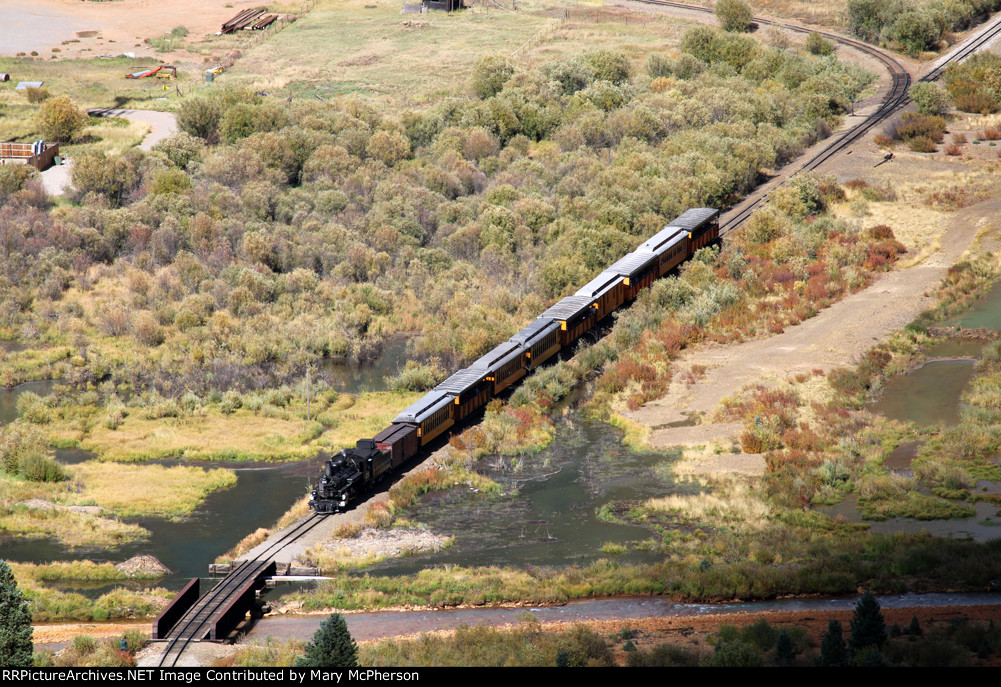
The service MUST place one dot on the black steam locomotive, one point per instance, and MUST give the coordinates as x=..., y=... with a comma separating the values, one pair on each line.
x=345, y=476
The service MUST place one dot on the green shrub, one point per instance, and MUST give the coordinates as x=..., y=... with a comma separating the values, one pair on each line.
x=866, y=18
x=930, y=98
x=36, y=467
x=915, y=32
x=817, y=45
x=36, y=95
x=60, y=119
x=13, y=178
x=733, y=15
x=608, y=65
x=112, y=177
x=417, y=377
x=245, y=119
x=977, y=103
x=922, y=144
x=169, y=181
x=200, y=117
x=490, y=74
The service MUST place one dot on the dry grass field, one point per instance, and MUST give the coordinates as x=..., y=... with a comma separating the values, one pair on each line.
x=368, y=49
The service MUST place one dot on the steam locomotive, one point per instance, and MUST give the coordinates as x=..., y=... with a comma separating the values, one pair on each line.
x=352, y=471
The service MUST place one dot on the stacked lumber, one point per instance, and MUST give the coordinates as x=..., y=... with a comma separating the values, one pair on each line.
x=264, y=23
x=242, y=20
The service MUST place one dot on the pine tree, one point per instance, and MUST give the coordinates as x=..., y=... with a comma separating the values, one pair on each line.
x=332, y=646
x=868, y=626
x=16, y=648
x=785, y=649
x=833, y=652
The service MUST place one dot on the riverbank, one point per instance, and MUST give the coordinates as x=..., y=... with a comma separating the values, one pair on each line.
x=694, y=628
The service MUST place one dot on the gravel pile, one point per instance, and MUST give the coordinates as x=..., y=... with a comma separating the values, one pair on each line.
x=142, y=566
x=387, y=543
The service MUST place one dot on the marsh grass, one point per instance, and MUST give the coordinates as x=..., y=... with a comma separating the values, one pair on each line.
x=299, y=509
x=731, y=502
x=911, y=504
x=253, y=539
x=69, y=528
x=242, y=435
x=82, y=570
x=34, y=364
x=635, y=435
x=51, y=605
x=782, y=559
x=132, y=490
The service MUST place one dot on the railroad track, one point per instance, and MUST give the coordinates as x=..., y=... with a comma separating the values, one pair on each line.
x=896, y=98
x=195, y=624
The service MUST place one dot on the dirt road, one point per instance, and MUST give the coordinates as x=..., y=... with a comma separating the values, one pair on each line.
x=57, y=180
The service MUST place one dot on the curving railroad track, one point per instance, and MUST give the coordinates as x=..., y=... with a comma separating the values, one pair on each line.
x=896, y=97
x=197, y=622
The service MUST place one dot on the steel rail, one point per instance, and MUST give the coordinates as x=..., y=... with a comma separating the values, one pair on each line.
x=896, y=98
x=194, y=623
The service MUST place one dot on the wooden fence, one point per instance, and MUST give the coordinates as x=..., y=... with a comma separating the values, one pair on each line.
x=24, y=152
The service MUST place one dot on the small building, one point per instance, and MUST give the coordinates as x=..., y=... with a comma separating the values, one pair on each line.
x=444, y=5
x=39, y=154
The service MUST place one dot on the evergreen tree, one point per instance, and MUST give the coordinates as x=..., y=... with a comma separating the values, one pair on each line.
x=332, y=646
x=868, y=626
x=833, y=651
x=785, y=649
x=16, y=648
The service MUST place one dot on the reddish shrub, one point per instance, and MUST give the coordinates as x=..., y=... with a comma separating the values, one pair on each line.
x=880, y=231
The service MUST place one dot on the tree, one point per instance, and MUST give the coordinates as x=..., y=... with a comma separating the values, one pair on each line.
x=59, y=119
x=733, y=15
x=332, y=646
x=785, y=649
x=16, y=648
x=833, y=652
x=868, y=627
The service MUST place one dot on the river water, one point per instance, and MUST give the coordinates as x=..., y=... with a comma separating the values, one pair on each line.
x=548, y=514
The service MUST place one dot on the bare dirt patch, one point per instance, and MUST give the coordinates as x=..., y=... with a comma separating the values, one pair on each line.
x=375, y=544
x=48, y=505
x=360, y=60
x=836, y=337
x=106, y=27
